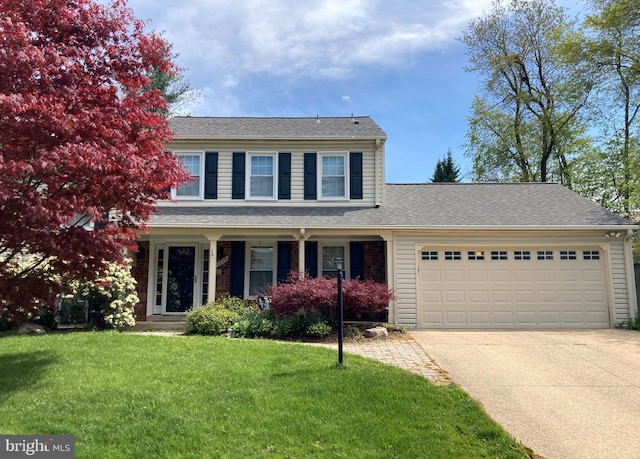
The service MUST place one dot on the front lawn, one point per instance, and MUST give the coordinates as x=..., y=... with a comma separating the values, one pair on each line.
x=139, y=396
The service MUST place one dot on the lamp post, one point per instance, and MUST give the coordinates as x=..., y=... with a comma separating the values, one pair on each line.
x=338, y=262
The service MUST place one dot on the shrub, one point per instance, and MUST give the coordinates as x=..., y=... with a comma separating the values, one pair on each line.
x=318, y=329
x=114, y=295
x=300, y=295
x=630, y=324
x=352, y=333
x=210, y=320
x=252, y=324
x=395, y=328
x=235, y=304
x=365, y=298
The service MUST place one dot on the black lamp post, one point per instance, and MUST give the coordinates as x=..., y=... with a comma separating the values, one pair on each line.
x=338, y=262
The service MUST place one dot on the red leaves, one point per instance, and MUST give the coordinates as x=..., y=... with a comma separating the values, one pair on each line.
x=80, y=135
x=299, y=295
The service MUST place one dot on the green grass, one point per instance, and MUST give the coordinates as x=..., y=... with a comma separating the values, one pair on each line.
x=138, y=396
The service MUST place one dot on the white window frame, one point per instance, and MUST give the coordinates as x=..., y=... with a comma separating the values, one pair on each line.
x=327, y=154
x=255, y=154
x=247, y=271
x=345, y=259
x=200, y=196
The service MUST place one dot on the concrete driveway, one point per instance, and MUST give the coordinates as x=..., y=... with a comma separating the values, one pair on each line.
x=565, y=394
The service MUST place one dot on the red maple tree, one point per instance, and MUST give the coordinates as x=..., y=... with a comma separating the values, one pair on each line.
x=81, y=136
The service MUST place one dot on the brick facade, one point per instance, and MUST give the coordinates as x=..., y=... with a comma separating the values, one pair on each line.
x=140, y=271
x=374, y=261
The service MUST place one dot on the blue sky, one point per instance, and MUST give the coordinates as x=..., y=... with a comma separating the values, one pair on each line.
x=398, y=62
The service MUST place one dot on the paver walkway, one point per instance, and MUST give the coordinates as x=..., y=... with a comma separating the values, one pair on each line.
x=404, y=353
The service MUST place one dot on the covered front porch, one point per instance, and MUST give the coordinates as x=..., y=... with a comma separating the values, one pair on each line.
x=178, y=269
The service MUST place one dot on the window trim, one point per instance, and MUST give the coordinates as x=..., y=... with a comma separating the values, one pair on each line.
x=174, y=189
x=247, y=263
x=254, y=154
x=320, y=175
x=346, y=261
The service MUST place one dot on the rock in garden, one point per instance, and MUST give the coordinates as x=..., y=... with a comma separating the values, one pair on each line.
x=27, y=328
x=376, y=333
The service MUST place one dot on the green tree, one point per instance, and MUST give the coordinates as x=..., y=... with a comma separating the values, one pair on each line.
x=612, y=43
x=526, y=123
x=174, y=86
x=446, y=170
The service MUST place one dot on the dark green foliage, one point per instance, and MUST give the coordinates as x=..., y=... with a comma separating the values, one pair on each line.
x=210, y=320
x=446, y=170
x=631, y=324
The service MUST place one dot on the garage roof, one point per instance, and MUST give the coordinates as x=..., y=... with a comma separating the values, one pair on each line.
x=435, y=205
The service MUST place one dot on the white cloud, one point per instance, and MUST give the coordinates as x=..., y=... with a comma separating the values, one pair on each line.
x=293, y=39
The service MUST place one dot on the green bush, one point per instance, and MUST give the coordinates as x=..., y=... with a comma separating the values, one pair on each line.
x=352, y=333
x=210, y=320
x=631, y=324
x=235, y=304
x=251, y=325
x=395, y=328
x=318, y=329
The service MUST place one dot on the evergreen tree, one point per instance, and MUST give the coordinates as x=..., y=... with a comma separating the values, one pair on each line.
x=446, y=170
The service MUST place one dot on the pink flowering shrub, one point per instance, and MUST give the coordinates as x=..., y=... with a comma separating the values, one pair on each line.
x=300, y=295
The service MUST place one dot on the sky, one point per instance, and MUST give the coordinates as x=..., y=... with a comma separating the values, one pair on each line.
x=399, y=62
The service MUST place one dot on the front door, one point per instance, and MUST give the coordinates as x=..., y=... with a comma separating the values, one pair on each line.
x=180, y=279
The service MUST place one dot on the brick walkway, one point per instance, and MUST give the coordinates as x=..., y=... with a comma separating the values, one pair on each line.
x=404, y=353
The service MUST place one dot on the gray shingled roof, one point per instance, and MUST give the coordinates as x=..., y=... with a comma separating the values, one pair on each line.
x=360, y=127
x=517, y=205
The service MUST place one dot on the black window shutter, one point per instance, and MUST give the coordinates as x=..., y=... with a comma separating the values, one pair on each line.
x=236, y=265
x=355, y=167
x=356, y=260
x=284, y=176
x=311, y=258
x=284, y=260
x=310, y=182
x=211, y=175
x=237, y=176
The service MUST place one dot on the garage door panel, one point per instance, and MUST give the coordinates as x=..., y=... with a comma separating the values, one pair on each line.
x=550, y=293
x=503, y=317
x=456, y=318
x=451, y=275
x=480, y=318
x=479, y=297
x=501, y=296
x=453, y=296
x=474, y=275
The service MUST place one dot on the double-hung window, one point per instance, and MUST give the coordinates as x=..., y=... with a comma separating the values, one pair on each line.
x=333, y=177
x=261, y=268
x=262, y=175
x=329, y=255
x=192, y=161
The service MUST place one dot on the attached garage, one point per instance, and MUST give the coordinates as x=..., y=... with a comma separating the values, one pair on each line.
x=510, y=256
x=512, y=287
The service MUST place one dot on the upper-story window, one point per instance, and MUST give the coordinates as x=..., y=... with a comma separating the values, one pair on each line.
x=192, y=161
x=262, y=177
x=333, y=175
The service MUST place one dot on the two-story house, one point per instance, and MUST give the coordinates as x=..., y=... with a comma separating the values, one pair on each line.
x=274, y=195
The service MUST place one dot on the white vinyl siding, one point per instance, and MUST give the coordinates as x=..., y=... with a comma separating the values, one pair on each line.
x=297, y=150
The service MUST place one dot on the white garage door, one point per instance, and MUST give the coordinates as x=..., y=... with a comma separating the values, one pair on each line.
x=512, y=288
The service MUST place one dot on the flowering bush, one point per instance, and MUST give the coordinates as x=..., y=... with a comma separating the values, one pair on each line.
x=114, y=293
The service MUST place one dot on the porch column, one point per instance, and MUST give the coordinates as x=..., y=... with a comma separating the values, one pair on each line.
x=387, y=236
x=301, y=252
x=213, y=266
